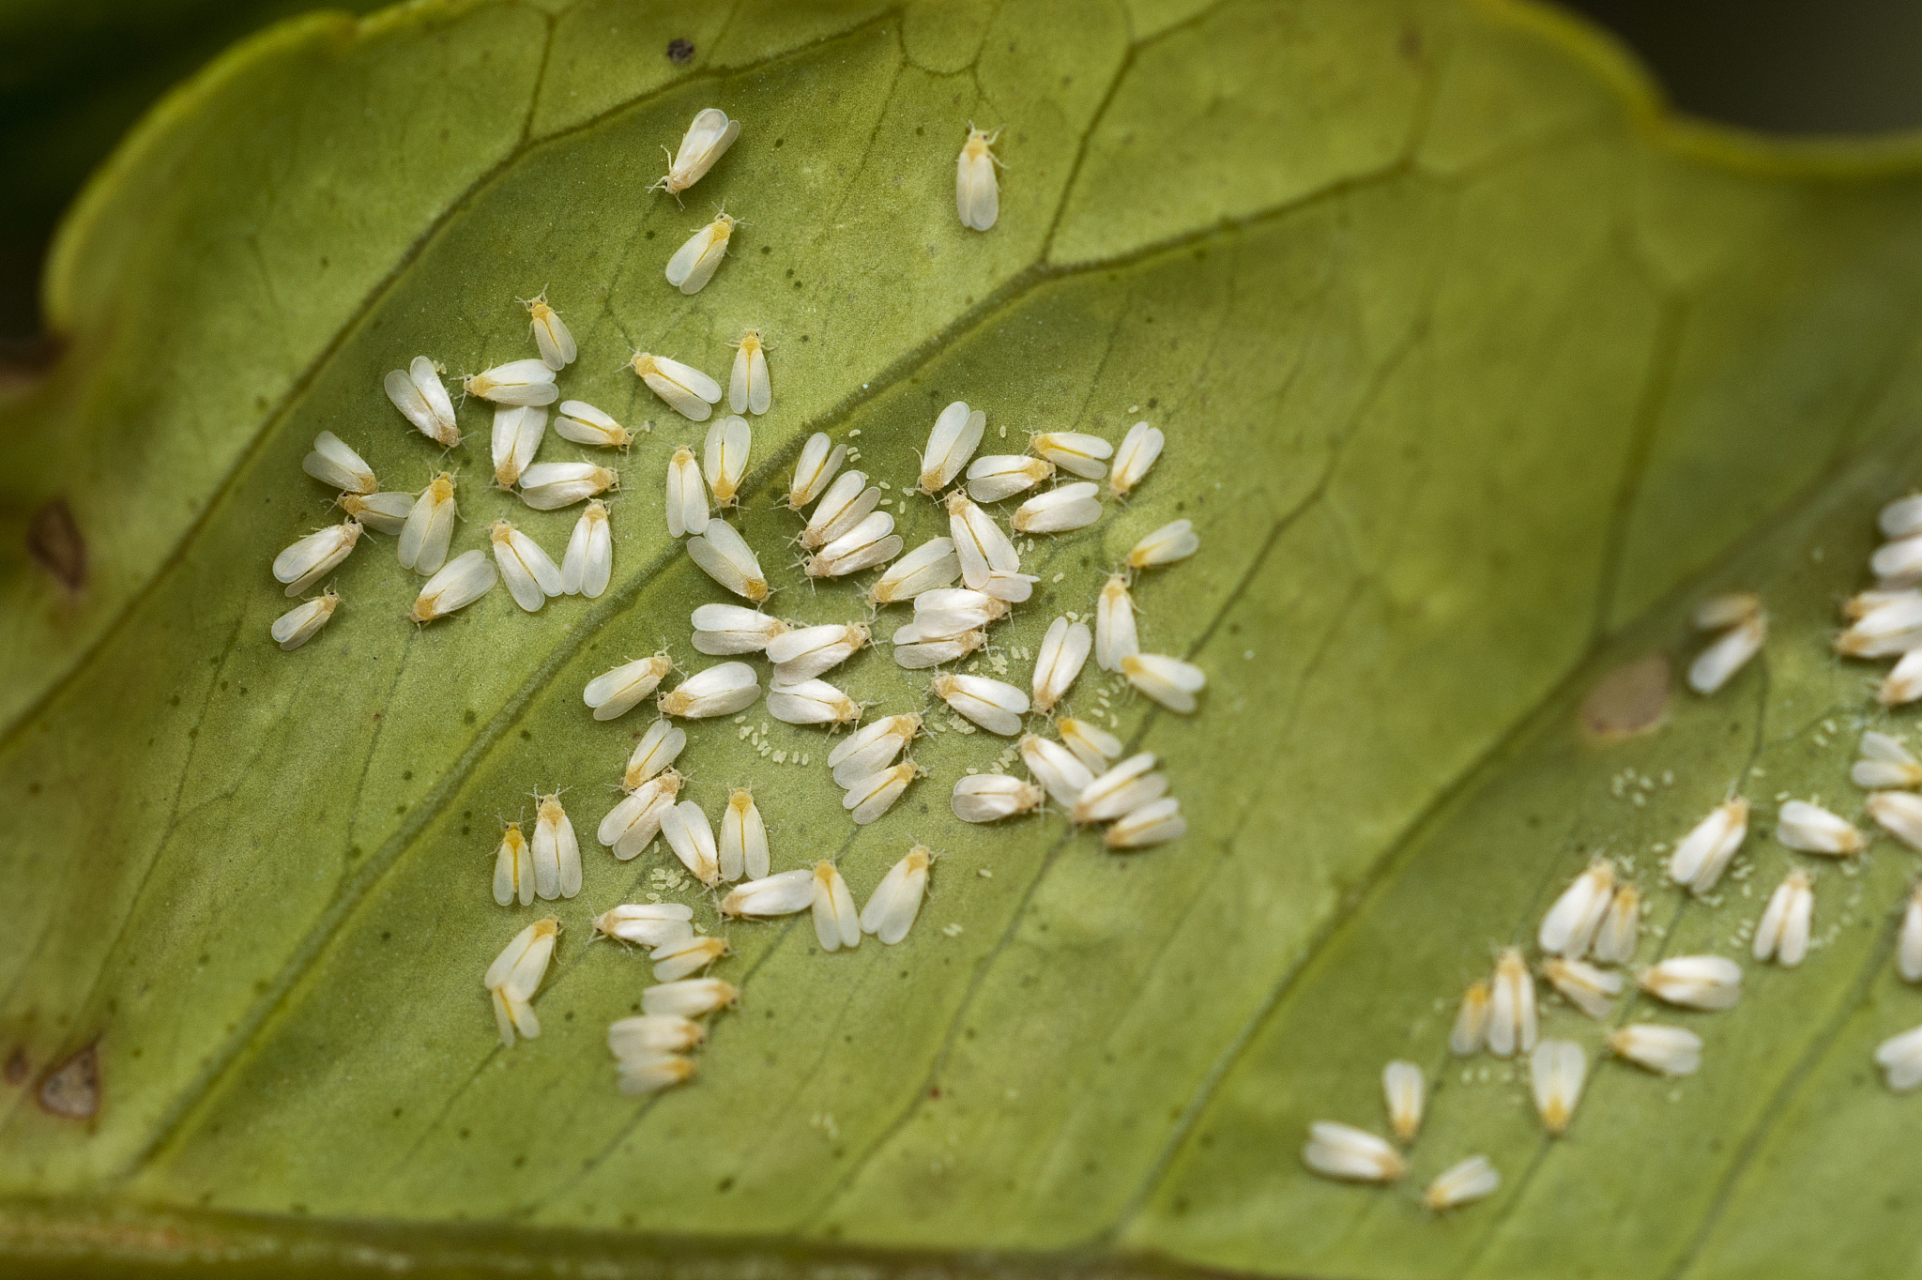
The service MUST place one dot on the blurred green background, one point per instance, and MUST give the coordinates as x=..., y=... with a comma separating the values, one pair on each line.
x=74, y=74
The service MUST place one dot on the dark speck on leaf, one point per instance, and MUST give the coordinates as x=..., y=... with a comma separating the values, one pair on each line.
x=680, y=52
x=54, y=541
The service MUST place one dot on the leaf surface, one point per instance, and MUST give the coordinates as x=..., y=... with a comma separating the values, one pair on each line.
x=1476, y=375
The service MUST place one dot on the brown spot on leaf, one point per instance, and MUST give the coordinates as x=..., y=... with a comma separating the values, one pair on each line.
x=16, y=1070
x=680, y=52
x=1630, y=700
x=73, y=1088
x=54, y=541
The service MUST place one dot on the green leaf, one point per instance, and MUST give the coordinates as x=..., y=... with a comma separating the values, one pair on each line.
x=1477, y=373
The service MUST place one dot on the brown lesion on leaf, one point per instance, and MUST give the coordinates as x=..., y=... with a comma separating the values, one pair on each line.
x=56, y=544
x=72, y=1089
x=16, y=1070
x=680, y=52
x=1629, y=701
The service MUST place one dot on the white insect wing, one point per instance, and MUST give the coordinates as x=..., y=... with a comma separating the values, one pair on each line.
x=588, y=564
x=1716, y=665
x=518, y=382
x=1810, y=828
x=1900, y=1058
x=733, y=628
x=748, y=390
x=1091, y=744
x=549, y=486
x=551, y=334
x=955, y=436
x=870, y=797
x=836, y=924
x=643, y=1036
x=1064, y=651
x=333, y=462
x=614, y=693
x=1589, y=989
x=1694, y=982
x=810, y=702
x=557, y=854
x=708, y=137
x=896, y=901
x=1057, y=769
x=582, y=423
x=517, y=437
x=530, y=573
x=1404, y=1090
x=686, y=503
x=720, y=690
x=1557, y=1070
x=1783, y=932
x=513, y=868
x=994, y=705
x=429, y=530
x=845, y=504
x=301, y=623
x=1908, y=949
x=1151, y=824
x=695, y=262
x=1062, y=510
x=1120, y=791
x=1469, y=1180
x=990, y=797
x=676, y=960
x=1669, y=1051
x=1114, y=625
x=313, y=557
x=928, y=567
x=463, y=580
x=689, y=998
x=647, y=924
x=998, y=476
x=658, y=748
x=1343, y=1151
x=977, y=192
x=381, y=512
x=1138, y=451
x=688, y=833
x=1076, y=451
x=728, y=443
x=687, y=390
x=1169, y=543
x=725, y=557
x=1569, y=927
x=782, y=894
x=820, y=459
x=869, y=750
x=743, y=846
x=813, y=651
x=1169, y=681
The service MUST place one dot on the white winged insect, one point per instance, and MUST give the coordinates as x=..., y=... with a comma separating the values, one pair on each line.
x=1064, y=650
x=530, y=573
x=521, y=382
x=516, y=974
x=556, y=853
x=724, y=556
x=550, y=333
x=836, y=924
x=1002, y=475
x=993, y=704
x=720, y=690
x=951, y=443
x=301, y=623
x=977, y=192
x=517, y=437
x=748, y=390
x=1114, y=625
x=614, y=693
x=743, y=843
x=845, y=505
x=1059, y=510
x=422, y=399
x=313, y=557
x=513, y=868
x=896, y=901
x=549, y=486
x=990, y=797
x=820, y=459
x=870, y=797
x=461, y=581
x=686, y=505
x=708, y=137
x=687, y=390
x=588, y=562
x=582, y=423
x=1138, y=451
x=333, y=462
x=429, y=530
x=728, y=443
x=695, y=262
x=872, y=748
x=1075, y=451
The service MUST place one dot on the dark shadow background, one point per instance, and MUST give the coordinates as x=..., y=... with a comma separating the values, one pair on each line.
x=75, y=74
